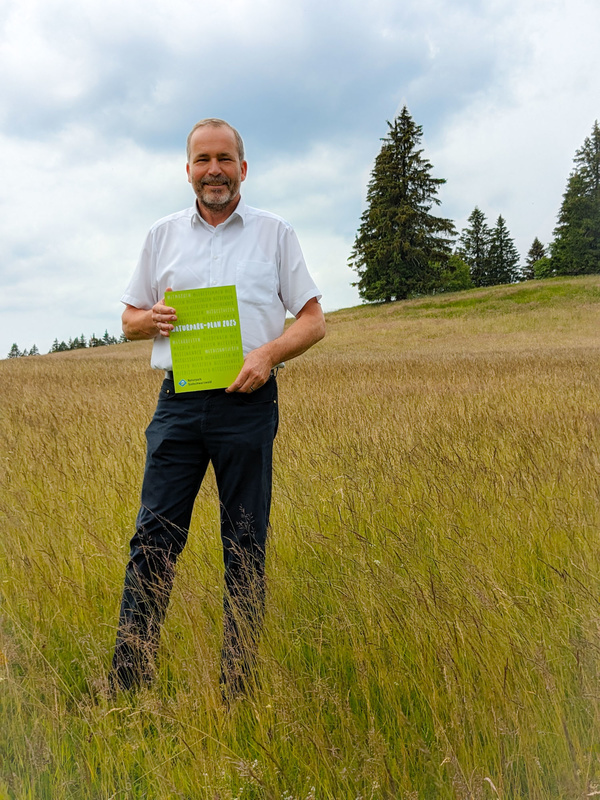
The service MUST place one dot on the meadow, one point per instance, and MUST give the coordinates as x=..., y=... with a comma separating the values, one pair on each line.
x=433, y=625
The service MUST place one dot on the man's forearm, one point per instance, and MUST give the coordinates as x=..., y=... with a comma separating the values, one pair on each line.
x=306, y=330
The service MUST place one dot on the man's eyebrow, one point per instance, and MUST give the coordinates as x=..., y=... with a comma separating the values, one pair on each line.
x=224, y=154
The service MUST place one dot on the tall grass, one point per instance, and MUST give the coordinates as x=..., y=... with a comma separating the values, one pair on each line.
x=433, y=626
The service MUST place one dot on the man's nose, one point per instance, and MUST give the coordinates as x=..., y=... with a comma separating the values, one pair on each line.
x=214, y=167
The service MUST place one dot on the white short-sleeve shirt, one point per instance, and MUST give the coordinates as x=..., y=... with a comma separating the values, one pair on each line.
x=254, y=250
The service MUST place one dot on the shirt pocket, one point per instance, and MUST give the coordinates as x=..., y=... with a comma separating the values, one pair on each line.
x=256, y=282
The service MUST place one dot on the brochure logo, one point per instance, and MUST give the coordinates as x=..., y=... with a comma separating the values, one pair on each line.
x=182, y=382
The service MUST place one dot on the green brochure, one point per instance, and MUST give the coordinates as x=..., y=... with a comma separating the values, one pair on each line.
x=206, y=343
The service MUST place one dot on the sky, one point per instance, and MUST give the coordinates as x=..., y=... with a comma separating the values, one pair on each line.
x=97, y=98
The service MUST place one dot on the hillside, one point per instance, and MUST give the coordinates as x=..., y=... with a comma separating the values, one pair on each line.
x=434, y=568
x=551, y=313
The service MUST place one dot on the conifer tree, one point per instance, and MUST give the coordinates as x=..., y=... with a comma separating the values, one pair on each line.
x=400, y=246
x=536, y=252
x=14, y=351
x=504, y=258
x=576, y=246
x=474, y=247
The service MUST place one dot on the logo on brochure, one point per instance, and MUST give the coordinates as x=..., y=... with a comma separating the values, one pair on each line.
x=182, y=382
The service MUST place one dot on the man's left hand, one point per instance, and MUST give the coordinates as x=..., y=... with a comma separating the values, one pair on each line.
x=254, y=374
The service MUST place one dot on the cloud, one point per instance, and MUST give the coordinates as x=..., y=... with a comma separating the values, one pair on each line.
x=510, y=149
x=74, y=211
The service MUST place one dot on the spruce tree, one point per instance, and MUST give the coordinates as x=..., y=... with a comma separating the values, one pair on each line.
x=504, y=258
x=576, y=246
x=474, y=247
x=400, y=247
x=14, y=351
x=536, y=252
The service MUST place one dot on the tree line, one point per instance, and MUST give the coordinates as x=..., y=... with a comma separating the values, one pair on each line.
x=401, y=249
x=77, y=343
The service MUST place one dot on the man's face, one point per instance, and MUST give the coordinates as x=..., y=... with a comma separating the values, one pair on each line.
x=214, y=168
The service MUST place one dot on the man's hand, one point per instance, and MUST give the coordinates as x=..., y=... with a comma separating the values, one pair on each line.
x=163, y=316
x=147, y=323
x=255, y=372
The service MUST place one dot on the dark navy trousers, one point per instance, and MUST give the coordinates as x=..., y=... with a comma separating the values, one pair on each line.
x=235, y=432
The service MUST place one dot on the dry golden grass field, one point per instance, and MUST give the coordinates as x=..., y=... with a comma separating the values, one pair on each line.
x=433, y=626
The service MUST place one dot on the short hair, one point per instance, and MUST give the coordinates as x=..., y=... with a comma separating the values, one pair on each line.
x=213, y=122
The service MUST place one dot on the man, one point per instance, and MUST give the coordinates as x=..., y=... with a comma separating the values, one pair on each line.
x=218, y=242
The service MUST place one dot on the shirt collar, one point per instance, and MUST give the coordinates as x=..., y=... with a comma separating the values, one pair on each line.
x=239, y=211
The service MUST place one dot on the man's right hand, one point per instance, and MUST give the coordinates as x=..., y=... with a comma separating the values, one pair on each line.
x=163, y=316
x=148, y=323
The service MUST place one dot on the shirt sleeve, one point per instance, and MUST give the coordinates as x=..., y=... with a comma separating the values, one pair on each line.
x=296, y=287
x=142, y=291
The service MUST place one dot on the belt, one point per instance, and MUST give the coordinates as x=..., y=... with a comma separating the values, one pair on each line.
x=274, y=371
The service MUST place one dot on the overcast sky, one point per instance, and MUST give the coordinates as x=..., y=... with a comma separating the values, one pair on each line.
x=97, y=97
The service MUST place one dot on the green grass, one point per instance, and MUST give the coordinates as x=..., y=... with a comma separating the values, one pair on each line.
x=434, y=569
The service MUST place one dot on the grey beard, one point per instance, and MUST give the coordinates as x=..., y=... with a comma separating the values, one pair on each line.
x=215, y=204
